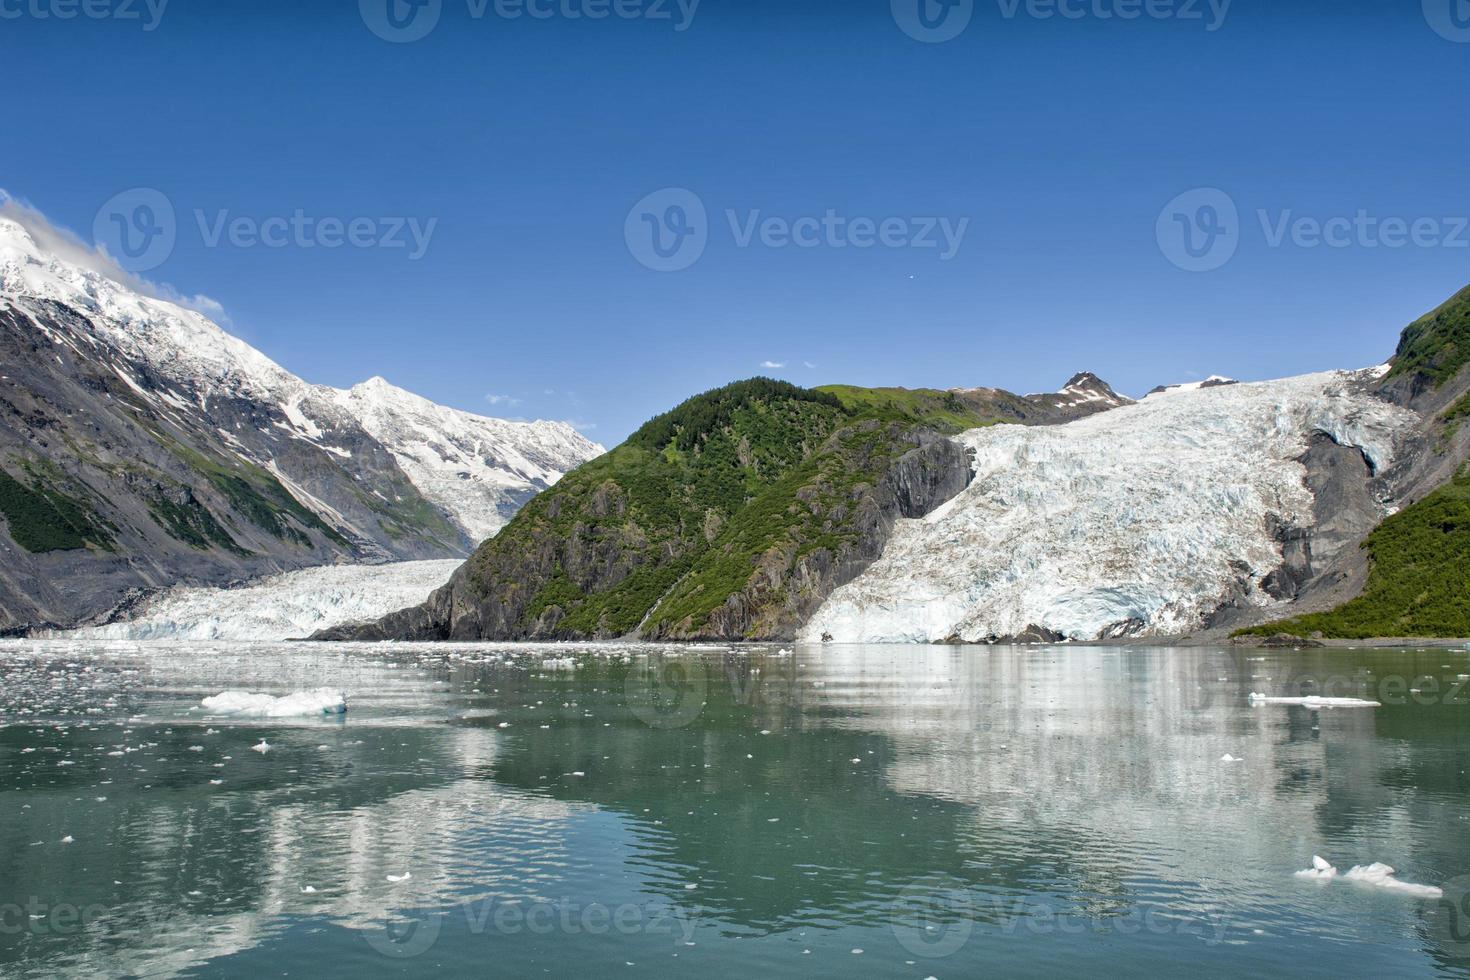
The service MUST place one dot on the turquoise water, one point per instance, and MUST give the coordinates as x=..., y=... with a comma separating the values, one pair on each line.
x=839, y=811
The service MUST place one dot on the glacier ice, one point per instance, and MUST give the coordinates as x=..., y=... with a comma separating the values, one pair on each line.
x=1139, y=520
x=1376, y=875
x=322, y=701
x=287, y=606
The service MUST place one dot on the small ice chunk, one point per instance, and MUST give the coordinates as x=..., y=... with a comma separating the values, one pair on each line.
x=395, y=879
x=308, y=890
x=1376, y=875
x=1227, y=757
x=68, y=839
x=263, y=747
x=1313, y=701
x=1380, y=875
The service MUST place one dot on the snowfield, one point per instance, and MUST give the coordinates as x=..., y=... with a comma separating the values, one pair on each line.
x=282, y=607
x=1140, y=519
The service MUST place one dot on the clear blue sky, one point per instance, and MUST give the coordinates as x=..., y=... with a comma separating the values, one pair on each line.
x=529, y=140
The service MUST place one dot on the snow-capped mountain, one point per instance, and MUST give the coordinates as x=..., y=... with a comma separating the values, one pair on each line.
x=480, y=470
x=1139, y=520
x=182, y=453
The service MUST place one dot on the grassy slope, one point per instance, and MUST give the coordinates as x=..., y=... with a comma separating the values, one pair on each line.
x=1437, y=344
x=628, y=525
x=670, y=523
x=1419, y=582
x=40, y=517
x=944, y=411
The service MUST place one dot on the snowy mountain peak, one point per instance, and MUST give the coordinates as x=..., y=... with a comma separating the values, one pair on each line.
x=1083, y=389
x=196, y=375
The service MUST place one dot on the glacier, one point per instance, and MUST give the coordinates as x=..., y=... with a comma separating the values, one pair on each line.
x=280, y=607
x=1140, y=520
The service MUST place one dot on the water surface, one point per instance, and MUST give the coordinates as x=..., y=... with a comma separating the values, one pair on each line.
x=717, y=812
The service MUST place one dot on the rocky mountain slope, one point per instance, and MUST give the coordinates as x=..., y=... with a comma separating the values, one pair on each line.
x=765, y=512
x=143, y=446
x=732, y=516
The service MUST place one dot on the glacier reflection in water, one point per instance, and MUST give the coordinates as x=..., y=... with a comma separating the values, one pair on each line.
x=722, y=811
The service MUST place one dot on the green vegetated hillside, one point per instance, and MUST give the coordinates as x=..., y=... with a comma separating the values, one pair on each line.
x=1419, y=559
x=727, y=516
x=1436, y=345
x=1419, y=579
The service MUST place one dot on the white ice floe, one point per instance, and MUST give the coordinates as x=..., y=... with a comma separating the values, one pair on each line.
x=1139, y=520
x=322, y=701
x=1313, y=701
x=1376, y=875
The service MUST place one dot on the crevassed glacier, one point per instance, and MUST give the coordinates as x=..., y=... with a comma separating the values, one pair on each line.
x=282, y=607
x=1146, y=515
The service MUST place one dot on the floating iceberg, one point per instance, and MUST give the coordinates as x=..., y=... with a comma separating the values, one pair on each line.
x=1376, y=875
x=323, y=701
x=1314, y=702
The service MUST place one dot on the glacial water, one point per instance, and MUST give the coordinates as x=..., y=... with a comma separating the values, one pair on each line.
x=836, y=811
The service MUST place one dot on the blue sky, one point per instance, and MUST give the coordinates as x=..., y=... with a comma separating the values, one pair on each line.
x=1057, y=141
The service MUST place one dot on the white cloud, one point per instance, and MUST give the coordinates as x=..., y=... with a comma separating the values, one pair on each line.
x=807, y=364
x=506, y=400
x=69, y=247
x=773, y=364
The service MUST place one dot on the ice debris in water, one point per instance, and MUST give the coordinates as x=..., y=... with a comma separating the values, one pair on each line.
x=262, y=748
x=322, y=701
x=395, y=879
x=1227, y=757
x=1313, y=701
x=1377, y=874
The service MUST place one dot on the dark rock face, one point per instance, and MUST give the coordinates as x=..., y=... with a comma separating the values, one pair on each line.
x=172, y=481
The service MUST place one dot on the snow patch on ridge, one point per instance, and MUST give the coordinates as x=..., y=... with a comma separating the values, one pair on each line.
x=1140, y=519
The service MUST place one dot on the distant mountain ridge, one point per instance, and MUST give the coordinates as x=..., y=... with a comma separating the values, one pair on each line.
x=141, y=445
x=760, y=511
x=734, y=515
